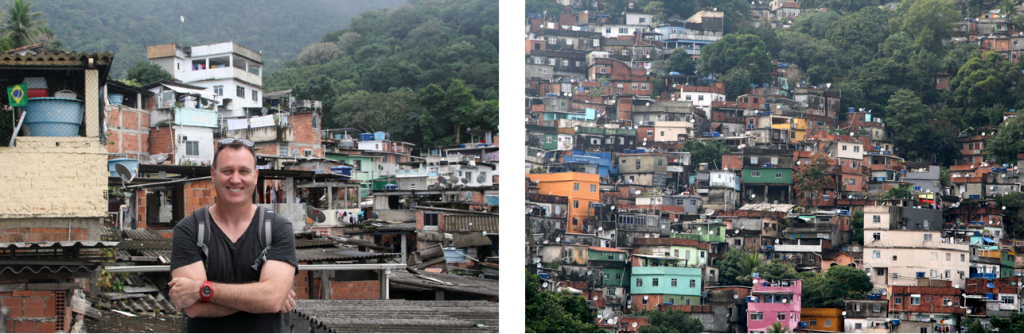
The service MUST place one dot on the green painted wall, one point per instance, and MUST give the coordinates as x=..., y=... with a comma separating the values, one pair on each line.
x=768, y=175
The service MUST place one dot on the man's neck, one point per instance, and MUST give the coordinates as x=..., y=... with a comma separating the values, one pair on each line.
x=233, y=215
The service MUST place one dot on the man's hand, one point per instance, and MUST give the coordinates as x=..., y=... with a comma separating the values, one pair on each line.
x=184, y=292
x=289, y=303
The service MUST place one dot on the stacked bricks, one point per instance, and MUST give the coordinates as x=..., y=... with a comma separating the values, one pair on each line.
x=161, y=140
x=345, y=290
x=32, y=311
x=129, y=131
x=199, y=194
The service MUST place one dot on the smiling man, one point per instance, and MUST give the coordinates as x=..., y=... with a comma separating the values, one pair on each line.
x=226, y=276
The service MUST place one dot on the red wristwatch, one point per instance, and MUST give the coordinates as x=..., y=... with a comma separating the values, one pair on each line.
x=206, y=292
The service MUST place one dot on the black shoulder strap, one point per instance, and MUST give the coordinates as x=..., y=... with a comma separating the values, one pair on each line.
x=266, y=236
x=203, y=221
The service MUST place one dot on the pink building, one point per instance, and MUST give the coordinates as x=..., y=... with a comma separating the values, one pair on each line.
x=771, y=302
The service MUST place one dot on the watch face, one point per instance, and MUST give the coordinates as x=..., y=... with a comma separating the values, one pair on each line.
x=206, y=291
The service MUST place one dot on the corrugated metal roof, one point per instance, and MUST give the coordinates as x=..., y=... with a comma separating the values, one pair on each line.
x=400, y=316
x=467, y=223
x=453, y=283
x=57, y=244
x=338, y=254
x=312, y=243
x=56, y=59
x=145, y=244
x=607, y=249
x=142, y=235
x=469, y=239
x=39, y=268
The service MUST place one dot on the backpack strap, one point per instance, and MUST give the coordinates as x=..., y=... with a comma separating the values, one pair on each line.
x=203, y=221
x=266, y=235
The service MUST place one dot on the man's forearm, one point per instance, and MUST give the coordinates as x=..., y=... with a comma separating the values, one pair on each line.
x=256, y=297
x=208, y=310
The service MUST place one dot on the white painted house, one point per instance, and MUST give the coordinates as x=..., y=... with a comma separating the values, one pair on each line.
x=232, y=72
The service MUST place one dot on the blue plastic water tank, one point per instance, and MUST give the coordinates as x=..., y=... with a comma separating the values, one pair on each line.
x=378, y=135
x=343, y=170
x=365, y=136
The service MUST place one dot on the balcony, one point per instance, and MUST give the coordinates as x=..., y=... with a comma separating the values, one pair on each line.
x=985, y=275
x=798, y=248
x=695, y=37
x=220, y=74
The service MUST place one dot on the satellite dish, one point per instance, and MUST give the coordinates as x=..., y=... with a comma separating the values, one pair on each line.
x=645, y=297
x=736, y=231
x=844, y=312
x=440, y=179
x=957, y=286
x=480, y=178
x=634, y=325
x=595, y=298
x=263, y=111
x=485, y=233
x=317, y=215
x=464, y=180
x=785, y=300
x=558, y=239
x=599, y=229
x=545, y=284
x=126, y=174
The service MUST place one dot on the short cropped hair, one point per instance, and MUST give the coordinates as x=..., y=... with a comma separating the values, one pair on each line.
x=234, y=144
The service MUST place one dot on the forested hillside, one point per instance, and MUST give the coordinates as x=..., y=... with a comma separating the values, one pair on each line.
x=279, y=28
x=424, y=71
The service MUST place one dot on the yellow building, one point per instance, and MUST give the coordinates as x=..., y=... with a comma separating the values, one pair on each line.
x=822, y=319
x=582, y=189
x=797, y=128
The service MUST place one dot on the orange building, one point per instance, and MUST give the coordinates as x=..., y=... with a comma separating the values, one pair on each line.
x=822, y=319
x=582, y=189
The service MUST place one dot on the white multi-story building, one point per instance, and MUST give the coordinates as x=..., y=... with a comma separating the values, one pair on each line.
x=899, y=257
x=232, y=72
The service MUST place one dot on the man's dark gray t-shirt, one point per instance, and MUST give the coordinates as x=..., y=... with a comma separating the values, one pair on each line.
x=232, y=263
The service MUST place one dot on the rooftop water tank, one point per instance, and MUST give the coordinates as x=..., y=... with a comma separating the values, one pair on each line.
x=378, y=135
x=365, y=137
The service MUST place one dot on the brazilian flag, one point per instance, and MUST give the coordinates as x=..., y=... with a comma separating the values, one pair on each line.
x=17, y=95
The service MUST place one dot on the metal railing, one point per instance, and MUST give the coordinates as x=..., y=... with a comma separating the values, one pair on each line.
x=383, y=268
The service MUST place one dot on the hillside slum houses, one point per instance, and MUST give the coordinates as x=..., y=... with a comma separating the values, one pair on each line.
x=619, y=212
x=354, y=197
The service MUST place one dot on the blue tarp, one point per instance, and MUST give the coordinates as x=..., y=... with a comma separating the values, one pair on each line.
x=987, y=239
x=990, y=285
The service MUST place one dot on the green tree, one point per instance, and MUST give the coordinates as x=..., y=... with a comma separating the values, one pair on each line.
x=900, y=192
x=1013, y=324
x=985, y=81
x=540, y=6
x=944, y=176
x=1008, y=142
x=556, y=312
x=777, y=327
x=817, y=24
x=23, y=26
x=958, y=56
x=709, y=152
x=930, y=22
x=858, y=227
x=850, y=6
x=447, y=113
x=145, y=73
x=372, y=112
x=671, y=321
x=680, y=61
x=810, y=179
x=860, y=33
x=1013, y=214
x=835, y=285
x=737, y=51
x=774, y=271
x=907, y=117
x=737, y=264
x=318, y=54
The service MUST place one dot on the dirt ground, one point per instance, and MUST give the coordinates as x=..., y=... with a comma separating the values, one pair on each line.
x=116, y=323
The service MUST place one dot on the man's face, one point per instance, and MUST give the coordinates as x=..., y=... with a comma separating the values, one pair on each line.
x=235, y=176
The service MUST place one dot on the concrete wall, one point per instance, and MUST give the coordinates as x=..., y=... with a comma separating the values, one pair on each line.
x=53, y=177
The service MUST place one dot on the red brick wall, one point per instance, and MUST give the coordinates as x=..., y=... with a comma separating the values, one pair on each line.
x=199, y=194
x=346, y=290
x=32, y=312
x=306, y=133
x=41, y=234
x=161, y=140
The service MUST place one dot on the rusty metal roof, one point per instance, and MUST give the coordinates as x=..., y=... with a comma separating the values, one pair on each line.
x=56, y=59
x=470, y=223
x=400, y=316
x=58, y=244
x=311, y=243
x=468, y=239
